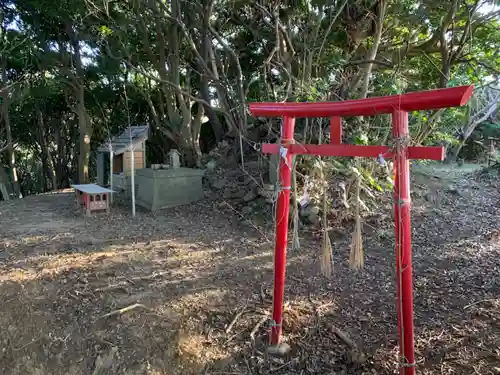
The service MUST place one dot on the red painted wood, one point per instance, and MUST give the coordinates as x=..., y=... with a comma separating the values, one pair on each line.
x=282, y=211
x=429, y=153
x=415, y=101
x=426, y=152
x=402, y=221
x=336, y=130
x=398, y=106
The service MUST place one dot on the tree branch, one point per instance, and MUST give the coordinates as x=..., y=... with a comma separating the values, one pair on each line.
x=239, y=78
x=486, y=110
x=177, y=88
x=4, y=147
x=329, y=29
x=372, y=53
x=185, y=31
x=478, y=62
x=466, y=32
x=280, y=26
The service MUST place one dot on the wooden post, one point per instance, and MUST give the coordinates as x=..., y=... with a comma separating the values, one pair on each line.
x=87, y=204
x=132, y=176
x=402, y=220
x=336, y=130
x=110, y=173
x=3, y=191
x=282, y=212
x=100, y=168
x=398, y=106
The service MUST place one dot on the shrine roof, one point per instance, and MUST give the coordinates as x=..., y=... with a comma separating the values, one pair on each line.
x=121, y=143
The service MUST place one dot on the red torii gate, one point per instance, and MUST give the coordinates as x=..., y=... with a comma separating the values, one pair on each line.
x=398, y=106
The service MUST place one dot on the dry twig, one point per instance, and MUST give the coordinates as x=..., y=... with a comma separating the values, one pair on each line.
x=236, y=317
x=343, y=336
x=478, y=302
x=123, y=310
x=257, y=326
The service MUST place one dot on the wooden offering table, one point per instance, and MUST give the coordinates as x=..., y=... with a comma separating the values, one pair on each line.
x=92, y=197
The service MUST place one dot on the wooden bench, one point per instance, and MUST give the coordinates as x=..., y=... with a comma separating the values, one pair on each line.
x=92, y=198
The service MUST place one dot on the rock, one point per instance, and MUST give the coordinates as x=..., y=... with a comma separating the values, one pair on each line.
x=220, y=183
x=312, y=210
x=233, y=173
x=105, y=363
x=250, y=195
x=310, y=213
x=234, y=193
x=250, y=181
x=279, y=350
x=261, y=203
x=313, y=218
x=239, y=193
x=211, y=165
x=356, y=357
x=265, y=193
x=254, y=164
x=227, y=194
x=268, y=187
x=246, y=210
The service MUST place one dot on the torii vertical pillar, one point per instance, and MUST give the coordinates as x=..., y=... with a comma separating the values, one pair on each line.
x=281, y=240
x=402, y=220
x=398, y=106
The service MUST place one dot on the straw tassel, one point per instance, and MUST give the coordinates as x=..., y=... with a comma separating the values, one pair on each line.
x=356, y=257
x=326, y=249
x=295, y=218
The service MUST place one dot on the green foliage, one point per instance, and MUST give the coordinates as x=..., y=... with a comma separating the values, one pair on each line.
x=207, y=49
x=490, y=129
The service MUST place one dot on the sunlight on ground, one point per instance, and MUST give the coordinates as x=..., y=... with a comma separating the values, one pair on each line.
x=443, y=170
x=41, y=266
x=59, y=287
x=38, y=266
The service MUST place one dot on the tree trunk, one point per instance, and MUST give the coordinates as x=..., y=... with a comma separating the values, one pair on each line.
x=189, y=138
x=206, y=45
x=84, y=127
x=486, y=109
x=372, y=53
x=452, y=156
x=11, y=157
x=8, y=131
x=47, y=161
x=195, y=134
x=4, y=179
x=84, y=139
x=189, y=146
x=212, y=116
x=188, y=155
x=45, y=169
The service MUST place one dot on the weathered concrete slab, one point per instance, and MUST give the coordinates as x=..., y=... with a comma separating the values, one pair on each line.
x=164, y=188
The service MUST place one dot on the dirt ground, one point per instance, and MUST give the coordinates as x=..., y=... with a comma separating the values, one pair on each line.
x=186, y=273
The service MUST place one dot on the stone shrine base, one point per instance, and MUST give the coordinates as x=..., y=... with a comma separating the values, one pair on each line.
x=164, y=188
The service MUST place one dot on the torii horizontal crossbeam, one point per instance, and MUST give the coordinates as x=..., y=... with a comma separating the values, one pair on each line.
x=423, y=153
x=398, y=106
x=414, y=101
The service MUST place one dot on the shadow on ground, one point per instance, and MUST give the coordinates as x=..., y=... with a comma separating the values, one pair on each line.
x=64, y=279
